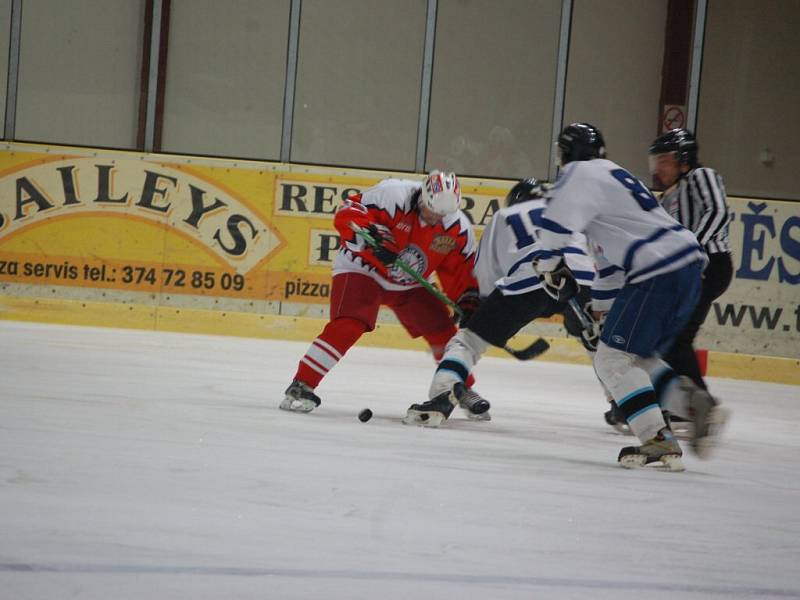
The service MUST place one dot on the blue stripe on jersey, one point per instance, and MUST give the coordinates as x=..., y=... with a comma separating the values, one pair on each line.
x=667, y=261
x=604, y=294
x=584, y=275
x=553, y=226
x=530, y=257
x=639, y=243
x=544, y=254
x=648, y=388
x=521, y=284
x=608, y=271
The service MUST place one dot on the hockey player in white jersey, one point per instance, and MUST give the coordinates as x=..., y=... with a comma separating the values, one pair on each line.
x=649, y=278
x=694, y=195
x=512, y=297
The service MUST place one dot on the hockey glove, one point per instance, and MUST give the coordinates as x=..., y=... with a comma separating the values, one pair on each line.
x=385, y=248
x=468, y=302
x=560, y=283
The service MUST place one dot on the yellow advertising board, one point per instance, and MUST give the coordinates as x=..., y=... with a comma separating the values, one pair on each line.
x=179, y=241
x=137, y=223
x=760, y=311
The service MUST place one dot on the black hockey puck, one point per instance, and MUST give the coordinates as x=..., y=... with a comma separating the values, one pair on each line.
x=365, y=415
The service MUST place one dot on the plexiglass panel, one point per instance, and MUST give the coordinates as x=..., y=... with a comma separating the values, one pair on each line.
x=5, y=26
x=226, y=69
x=614, y=75
x=358, y=83
x=494, y=78
x=80, y=70
x=748, y=122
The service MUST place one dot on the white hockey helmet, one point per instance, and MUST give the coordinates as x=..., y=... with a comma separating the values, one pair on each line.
x=441, y=193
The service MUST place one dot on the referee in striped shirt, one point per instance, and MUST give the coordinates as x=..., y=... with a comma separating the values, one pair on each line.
x=695, y=196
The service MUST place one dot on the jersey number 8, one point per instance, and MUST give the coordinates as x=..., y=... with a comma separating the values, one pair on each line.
x=637, y=189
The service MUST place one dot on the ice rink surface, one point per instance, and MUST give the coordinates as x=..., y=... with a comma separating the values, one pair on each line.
x=150, y=465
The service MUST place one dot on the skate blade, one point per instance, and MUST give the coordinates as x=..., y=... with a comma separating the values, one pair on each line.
x=667, y=462
x=484, y=416
x=423, y=419
x=715, y=421
x=298, y=405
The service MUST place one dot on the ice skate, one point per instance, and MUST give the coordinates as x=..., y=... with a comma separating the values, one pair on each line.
x=475, y=406
x=707, y=417
x=662, y=449
x=300, y=398
x=434, y=412
x=616, y=419
x=682, y=429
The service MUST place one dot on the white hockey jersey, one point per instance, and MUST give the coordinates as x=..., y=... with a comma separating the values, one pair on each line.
x=510, y=243
x=631, y=237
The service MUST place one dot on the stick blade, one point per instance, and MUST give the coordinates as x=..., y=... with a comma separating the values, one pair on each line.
x=540, y=346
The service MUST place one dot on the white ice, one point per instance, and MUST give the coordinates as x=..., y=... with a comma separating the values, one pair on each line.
x=139, y=465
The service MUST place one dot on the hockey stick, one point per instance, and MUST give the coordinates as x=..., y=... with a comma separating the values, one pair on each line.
x=586, y=323
x=538, y=347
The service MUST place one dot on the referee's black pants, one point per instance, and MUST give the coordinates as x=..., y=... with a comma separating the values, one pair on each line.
x=716, y=279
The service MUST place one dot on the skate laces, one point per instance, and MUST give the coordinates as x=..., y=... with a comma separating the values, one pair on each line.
x=469, y=396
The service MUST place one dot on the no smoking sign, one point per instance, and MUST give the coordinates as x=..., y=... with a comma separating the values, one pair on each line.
x=673, y=117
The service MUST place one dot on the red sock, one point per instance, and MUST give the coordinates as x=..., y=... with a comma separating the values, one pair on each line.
x=328, y=349
x=438, y=340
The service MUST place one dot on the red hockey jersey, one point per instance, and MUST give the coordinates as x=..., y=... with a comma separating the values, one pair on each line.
x=447, y=248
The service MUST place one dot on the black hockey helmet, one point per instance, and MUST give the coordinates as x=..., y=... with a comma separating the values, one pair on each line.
x=581, y=141
x=679, y=141
x=525, y=189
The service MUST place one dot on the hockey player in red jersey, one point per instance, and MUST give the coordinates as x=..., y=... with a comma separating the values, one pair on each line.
x=418, y=222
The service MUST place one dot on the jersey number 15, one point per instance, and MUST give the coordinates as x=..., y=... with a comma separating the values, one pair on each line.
x=524, y=232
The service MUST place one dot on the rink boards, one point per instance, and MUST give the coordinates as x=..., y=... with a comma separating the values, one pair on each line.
x=125, y=239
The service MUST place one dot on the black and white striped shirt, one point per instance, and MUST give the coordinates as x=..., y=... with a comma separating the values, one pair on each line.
x=698, y=203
